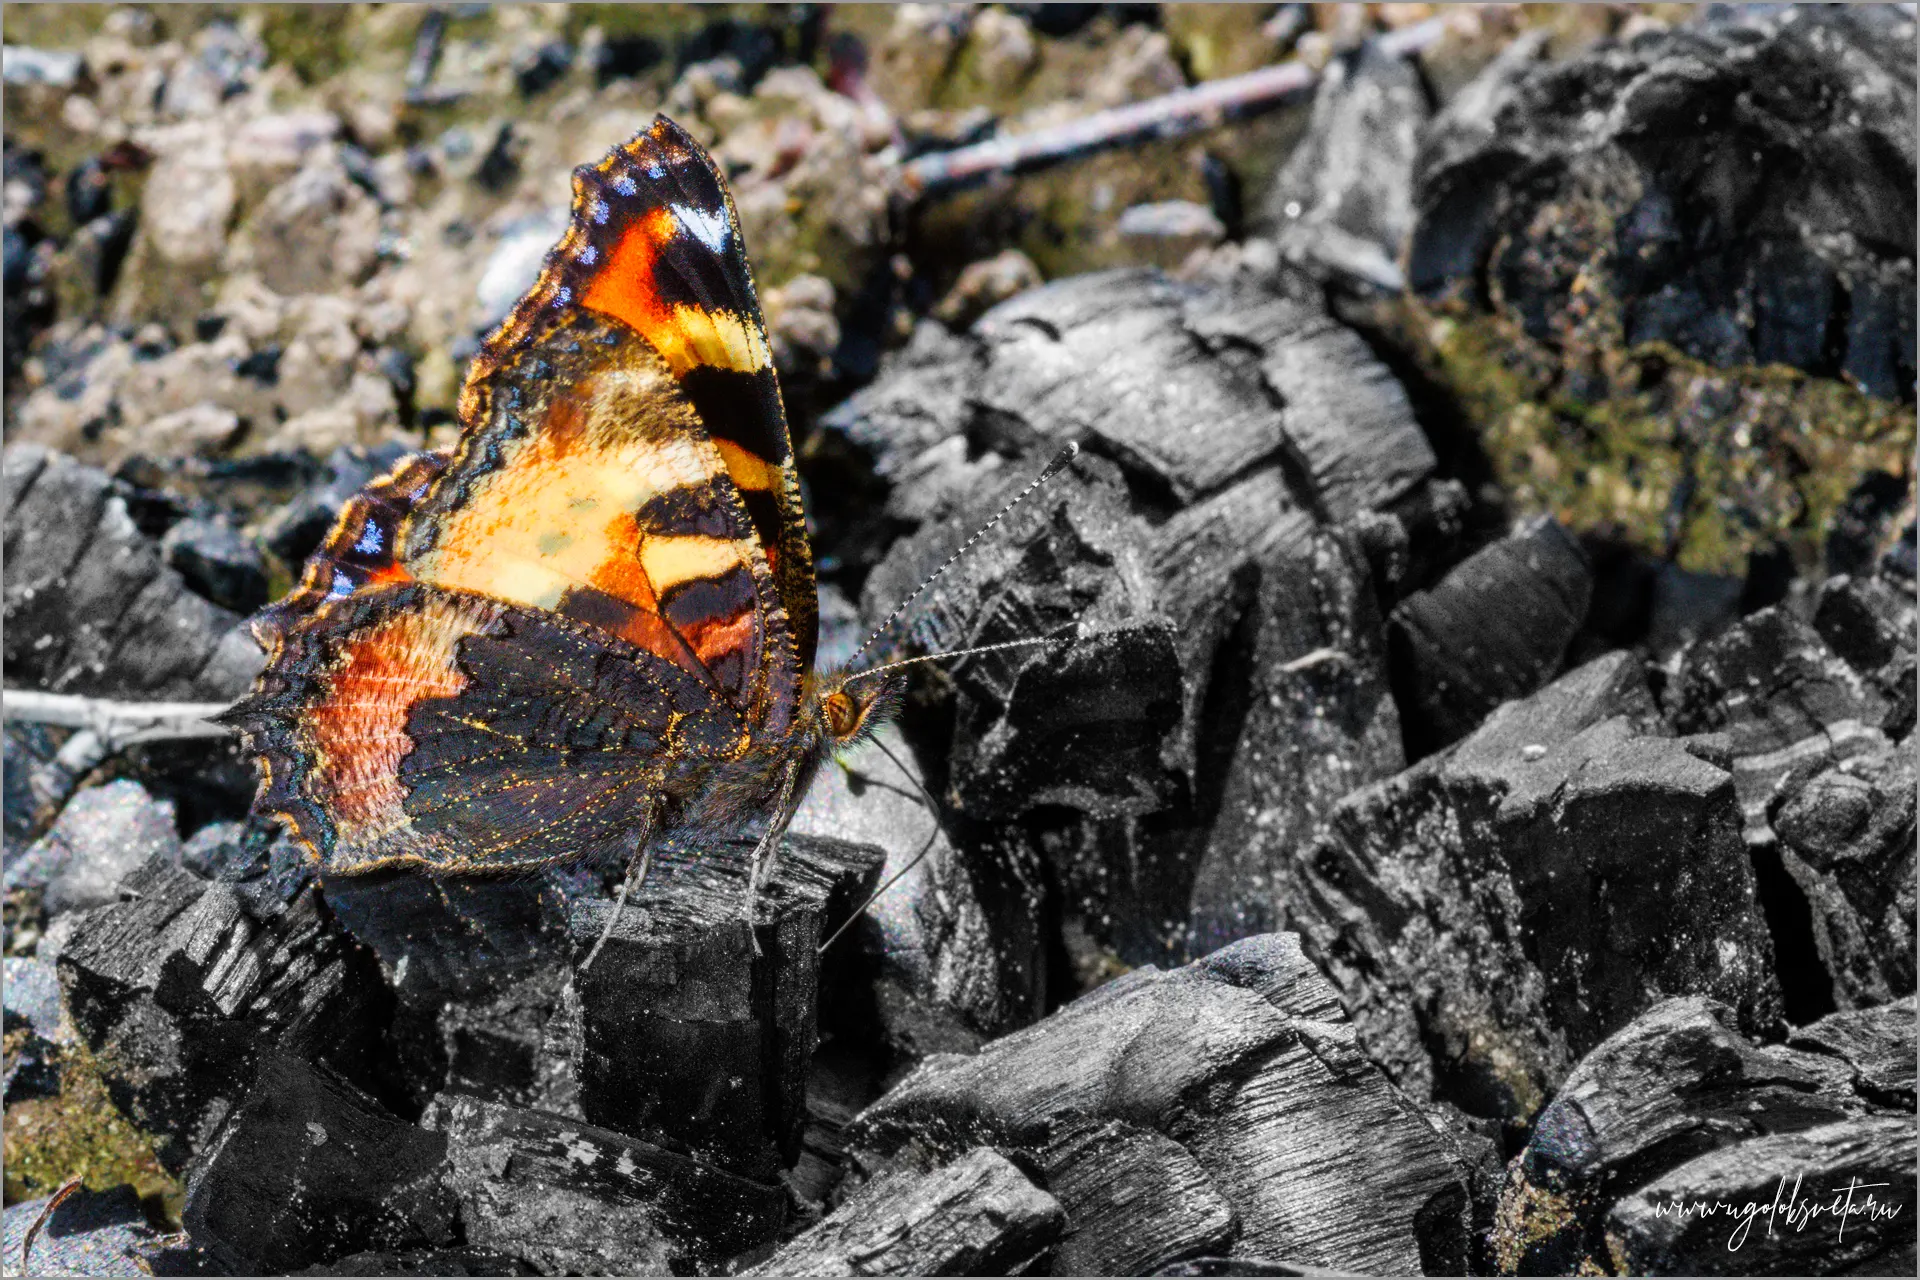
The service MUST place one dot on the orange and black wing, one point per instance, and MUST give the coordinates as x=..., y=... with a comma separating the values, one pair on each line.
x=517, y=652
x=655, y=245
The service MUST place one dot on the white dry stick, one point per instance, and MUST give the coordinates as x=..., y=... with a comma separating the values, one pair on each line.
x=116, y=724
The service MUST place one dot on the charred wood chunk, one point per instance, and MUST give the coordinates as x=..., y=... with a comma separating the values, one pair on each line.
x=179, y=992
x=1846, y=836
x=569, y=1198
x=1299, y=715
x=308, y=1169
x=1846, y=1194
x=91, y=606
x=1869, y=622
x=422, y=1262
x=477, y=965
x=1244, y=1062
x=1135, y=1200
x=1784, y=700
x=1495, y=628
x=1676, y=1084
x=695, y=1028
x=1621, y=167
x=1499, y=909
x=978, y=1216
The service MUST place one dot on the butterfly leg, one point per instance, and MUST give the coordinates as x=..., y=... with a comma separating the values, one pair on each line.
x=768, y=848
x=636, y=876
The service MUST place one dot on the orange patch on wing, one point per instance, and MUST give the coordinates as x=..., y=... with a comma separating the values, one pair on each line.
x=359, y=727
x=686, y=336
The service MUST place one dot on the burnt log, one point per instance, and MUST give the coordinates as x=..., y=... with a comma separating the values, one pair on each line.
x=1679, y=1084
x=1499, y=909
x=567, y=1198
x=1245, y=1063
x=978, y=1216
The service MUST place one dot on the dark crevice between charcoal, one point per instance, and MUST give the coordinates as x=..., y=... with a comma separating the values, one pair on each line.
x=1806, y=987
x=1454, y=437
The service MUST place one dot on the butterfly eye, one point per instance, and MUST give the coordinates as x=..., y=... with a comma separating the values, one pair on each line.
x=841, y=716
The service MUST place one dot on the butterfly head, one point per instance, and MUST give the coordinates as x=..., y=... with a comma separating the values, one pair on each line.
x=850, y=709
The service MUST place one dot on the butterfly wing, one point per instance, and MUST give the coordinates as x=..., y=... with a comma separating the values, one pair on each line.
x=516, y=653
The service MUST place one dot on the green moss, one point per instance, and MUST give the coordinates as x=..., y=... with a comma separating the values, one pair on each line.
x=80, y=1133
x=1526, y=1218
x=314, y=39
x=1701, y=464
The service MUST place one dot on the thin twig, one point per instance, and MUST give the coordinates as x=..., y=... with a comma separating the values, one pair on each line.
x=1173, y=115
x=116, y=724
x=59, y=1198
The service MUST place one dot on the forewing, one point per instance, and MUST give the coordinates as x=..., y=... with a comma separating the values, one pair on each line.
x=655, y=243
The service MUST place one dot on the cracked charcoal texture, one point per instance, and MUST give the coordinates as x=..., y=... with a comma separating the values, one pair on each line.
x=1246, y=1062
x=1678, y=1086
x=1402, y=871
x=91, y=606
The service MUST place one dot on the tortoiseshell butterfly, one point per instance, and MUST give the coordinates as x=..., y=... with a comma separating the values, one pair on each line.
x=593, y=621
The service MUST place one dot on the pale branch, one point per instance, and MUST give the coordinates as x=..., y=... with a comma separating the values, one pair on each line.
x=116, y=724
x=1173, y=115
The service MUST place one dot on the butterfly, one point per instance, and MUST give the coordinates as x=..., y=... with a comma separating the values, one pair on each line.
x=592, y=622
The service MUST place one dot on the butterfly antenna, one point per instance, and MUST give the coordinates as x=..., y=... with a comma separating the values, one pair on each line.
x=933, y=808
x=1060, y=460
x=961, y=653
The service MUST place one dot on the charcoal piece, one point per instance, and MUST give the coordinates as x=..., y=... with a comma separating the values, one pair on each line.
x=308, y=1169
x=178, y=992
x=1242, y=1059
x=476, y=964
x=297, y=527
x=1342, y=204
x=1302, y=717
x=1856, y=1173
x=696, y=1030
x=1134, y=1199
x=1784, y=699
x=1452, y=664
x=1870, y=623
x=571, y=1198
x=102, y=835
x=29, y=767
x=219, y=562
x=423, y=1262
x=90, y=605
x=94, y=1233
x=1191, y=386
x=1498, y=909
x=264, y=862
x=977, y=1216
x=951, y=963
x=1623, y=167
x=1676, y=1084
x=1846, y=836
x=1877, y=1046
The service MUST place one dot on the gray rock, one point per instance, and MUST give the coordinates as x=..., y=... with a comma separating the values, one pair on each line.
x=102, y=835
x=95, y=1233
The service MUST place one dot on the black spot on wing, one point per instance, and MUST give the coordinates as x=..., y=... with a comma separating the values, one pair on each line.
x=742, y=407
x=697, y=603
x=690, y=509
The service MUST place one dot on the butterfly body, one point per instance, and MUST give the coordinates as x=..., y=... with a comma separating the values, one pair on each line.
x=590, y=625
